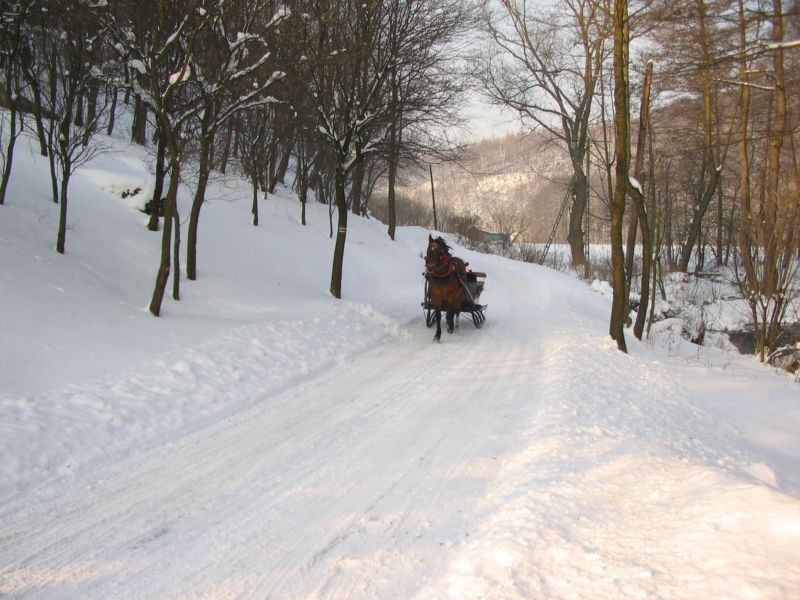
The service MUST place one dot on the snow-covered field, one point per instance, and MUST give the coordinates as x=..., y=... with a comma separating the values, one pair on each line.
x=264, y=440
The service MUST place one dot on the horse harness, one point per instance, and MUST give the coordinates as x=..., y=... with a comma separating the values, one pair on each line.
x=448, y=266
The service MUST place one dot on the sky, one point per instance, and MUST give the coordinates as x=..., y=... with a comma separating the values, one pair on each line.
x=262, y=439
x=487, y=121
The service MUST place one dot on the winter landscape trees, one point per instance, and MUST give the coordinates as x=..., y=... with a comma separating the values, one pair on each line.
x=546, y=65
x=351, y=99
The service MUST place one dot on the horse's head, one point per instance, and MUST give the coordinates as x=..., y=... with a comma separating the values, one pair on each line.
x=438, y=254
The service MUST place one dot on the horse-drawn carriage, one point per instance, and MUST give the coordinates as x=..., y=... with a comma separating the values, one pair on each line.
x=450, y=286
x=474, y=287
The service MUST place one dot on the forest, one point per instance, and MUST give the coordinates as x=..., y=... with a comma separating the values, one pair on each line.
x=665, y=129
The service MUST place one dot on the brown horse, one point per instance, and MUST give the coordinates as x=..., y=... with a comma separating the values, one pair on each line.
x=444, y=274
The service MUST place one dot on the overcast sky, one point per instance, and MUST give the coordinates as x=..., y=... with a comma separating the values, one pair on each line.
x=486, y=121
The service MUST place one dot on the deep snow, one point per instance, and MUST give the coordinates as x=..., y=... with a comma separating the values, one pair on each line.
x=264, y=440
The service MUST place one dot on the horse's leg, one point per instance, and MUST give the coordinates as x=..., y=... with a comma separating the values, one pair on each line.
x=438, y=336
x=450, y=315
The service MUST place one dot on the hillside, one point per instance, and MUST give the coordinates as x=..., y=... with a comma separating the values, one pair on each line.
x=515, y=183
x=263, y=439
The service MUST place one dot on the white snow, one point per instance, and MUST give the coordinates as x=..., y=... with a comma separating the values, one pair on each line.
x=634, y=183
x=137, y=64
x=180, y=76
x=262, y=439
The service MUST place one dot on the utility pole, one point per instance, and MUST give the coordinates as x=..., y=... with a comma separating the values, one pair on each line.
x=433, y=199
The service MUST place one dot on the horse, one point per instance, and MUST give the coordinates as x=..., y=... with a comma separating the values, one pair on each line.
x=444, y=275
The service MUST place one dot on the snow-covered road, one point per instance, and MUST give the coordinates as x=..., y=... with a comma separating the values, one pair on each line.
x=528, y=459
x=358, y=481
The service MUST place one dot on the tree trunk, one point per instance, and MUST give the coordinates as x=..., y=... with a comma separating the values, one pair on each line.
x=720, y=218
x=272, y=165
x=12, y=140
x=393, y=154
x=392, y=175
x=575, y=232
x=78, y=117
x=630, y=242
x=283, y=164
x=697, y=221
x=112, y=114
x=38, y=113
x=776, y=134
x=139, y=127
x=302, y=180
x=51, y=159
x=91, y=114
x=158, y=187
x=64, y=129
x=162, y=276
x=356, y=187
x=303, y=195
x=341, y=233
x=641, y=209
x=176, y=253
x=622, y=154
x=226, y=148
x=254, y=208
x=206, y=142
x=61, y=239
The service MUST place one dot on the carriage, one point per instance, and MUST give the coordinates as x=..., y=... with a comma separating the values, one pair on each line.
x=473, y=286
x=450, y=287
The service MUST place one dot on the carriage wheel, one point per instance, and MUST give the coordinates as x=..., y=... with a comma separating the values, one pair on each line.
x=430, y=315
x=478, y=318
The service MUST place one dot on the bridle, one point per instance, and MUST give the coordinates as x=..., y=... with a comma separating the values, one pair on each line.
x=440, y=257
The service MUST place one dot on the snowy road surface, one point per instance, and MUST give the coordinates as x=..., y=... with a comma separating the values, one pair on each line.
x=528, y=459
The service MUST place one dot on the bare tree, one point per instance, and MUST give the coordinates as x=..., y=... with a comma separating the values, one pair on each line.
x=694, y=39
x=546, y=67
x=769, y=228
x=158, y=43
x=253, y=131
x=236, y=75
x=67, y=57
x=511, y=220
x=30, y=62
x=345, y=69
x=13, y=16
x=423, y=94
